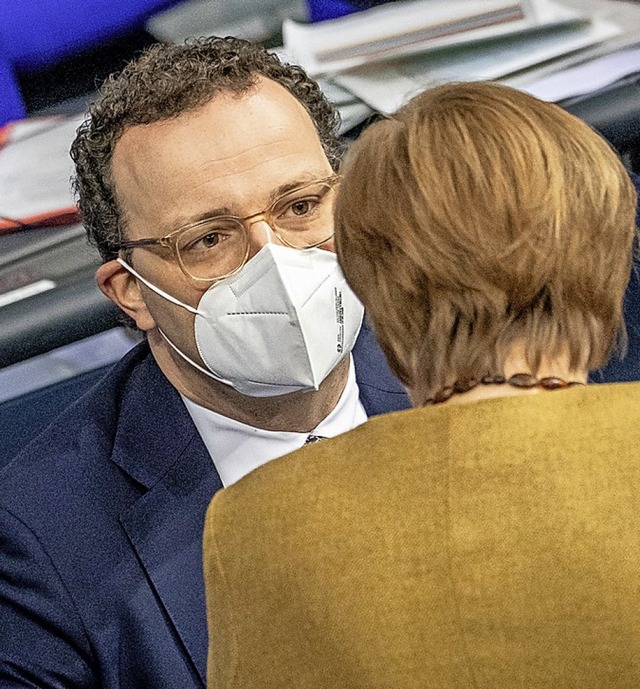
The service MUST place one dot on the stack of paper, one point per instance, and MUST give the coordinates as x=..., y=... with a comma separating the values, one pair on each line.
x=35, y=172
x=586, y=77
x=387, y=54
x=385, y=87
x=257, y=20
x=414, y=26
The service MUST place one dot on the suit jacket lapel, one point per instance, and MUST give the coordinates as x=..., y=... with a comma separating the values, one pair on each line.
x=380, y=391
x=158, y=445
x=165, y=528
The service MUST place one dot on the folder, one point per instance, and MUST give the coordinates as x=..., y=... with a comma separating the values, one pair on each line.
x=35, y=173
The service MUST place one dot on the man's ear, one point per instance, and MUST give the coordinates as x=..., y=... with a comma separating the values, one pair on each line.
x=119, y=285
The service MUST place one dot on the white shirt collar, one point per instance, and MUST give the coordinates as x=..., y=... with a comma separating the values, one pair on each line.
x=237, y=449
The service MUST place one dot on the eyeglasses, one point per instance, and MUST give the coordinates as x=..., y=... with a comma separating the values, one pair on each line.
x=217, y=247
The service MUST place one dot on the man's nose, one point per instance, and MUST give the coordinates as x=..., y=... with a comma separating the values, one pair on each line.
x=260, y=234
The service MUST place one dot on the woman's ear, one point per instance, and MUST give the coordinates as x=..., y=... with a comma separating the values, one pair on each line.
x=119, y=285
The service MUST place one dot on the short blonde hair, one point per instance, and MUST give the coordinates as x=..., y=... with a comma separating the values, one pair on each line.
x=479, y=217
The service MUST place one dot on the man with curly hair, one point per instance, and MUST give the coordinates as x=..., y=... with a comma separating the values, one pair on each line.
x=206, y=176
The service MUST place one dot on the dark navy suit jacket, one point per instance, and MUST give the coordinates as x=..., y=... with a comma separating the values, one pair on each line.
x=101, y=522
x=627, y=367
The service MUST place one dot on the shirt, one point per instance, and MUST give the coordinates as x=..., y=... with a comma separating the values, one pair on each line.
x=237, y=448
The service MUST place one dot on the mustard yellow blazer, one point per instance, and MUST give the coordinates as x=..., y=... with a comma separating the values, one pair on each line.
x=492, y=545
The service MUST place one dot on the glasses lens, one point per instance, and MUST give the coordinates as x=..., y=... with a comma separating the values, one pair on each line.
x=213, y=248
x=304, y=217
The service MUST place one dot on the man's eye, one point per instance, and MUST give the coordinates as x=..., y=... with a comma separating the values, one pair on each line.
x=204, y=242
x=209, y=240
x=301, y=207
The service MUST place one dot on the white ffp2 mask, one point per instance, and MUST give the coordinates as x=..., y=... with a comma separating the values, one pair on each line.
x=280, y=325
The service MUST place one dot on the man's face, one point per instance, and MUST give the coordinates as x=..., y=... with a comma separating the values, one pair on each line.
x=232, y=155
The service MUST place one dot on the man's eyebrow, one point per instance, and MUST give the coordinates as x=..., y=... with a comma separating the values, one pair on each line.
x=285, y=188
x=207, y=215
x=273, y=196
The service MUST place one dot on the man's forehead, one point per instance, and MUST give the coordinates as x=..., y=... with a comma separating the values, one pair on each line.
x=229, y=119
x=265, y=98
x=234, y=148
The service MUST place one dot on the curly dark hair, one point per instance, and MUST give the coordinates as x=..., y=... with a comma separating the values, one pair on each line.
x=164, y=82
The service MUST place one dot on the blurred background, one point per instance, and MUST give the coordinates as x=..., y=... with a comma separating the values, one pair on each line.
x=53, y=51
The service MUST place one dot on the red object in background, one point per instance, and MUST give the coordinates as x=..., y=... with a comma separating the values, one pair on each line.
x=35, y=173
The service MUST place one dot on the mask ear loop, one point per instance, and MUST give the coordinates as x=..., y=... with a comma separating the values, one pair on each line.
x=189, y=360
x=157, y=290
x=173, y=300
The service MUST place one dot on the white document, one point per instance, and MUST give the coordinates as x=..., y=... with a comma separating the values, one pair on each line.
x=254, y=20
x=586, y=77
x=352, y=110
x=36, y=170
x=411, y=27
x=353, y=114
x=386, y=87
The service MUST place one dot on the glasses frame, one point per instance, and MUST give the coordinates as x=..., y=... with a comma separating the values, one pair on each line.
x=170, y=240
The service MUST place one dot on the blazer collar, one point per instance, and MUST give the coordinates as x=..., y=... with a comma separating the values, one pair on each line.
x=380, y=391
x=157, y=444
x=165, y=528
x=153, y=428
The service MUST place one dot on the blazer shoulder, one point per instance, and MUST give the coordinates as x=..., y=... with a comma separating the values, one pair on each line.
x=380, y=391
x=69, y=458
